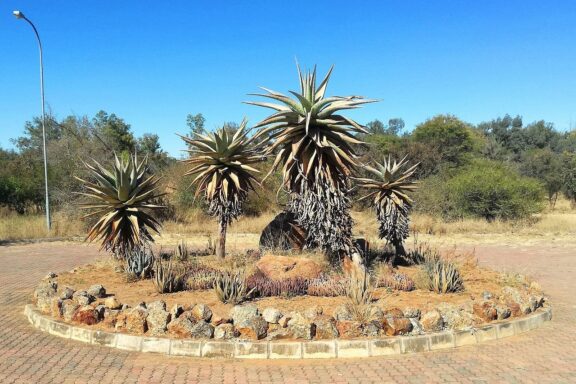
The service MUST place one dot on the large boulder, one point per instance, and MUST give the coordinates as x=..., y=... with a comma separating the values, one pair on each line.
x=455, y=318
x=325, y=327
x=69, y=308
x=271, y=315
x=397, y=326
x=485, y=310
x=112, y=303
x=239, y=313
x=300, y=327
x=348, y=329
x=283, y=233
x=432, y=321
x=157, y=319
x=202, y=330
x=86, y=315
x=201, y=312
x=288, y=267
x=252, y=328
x=43, y=294
x=182, y=326
x=133, y=320
x=97, y=291
x=225, y=331
x=83, y=298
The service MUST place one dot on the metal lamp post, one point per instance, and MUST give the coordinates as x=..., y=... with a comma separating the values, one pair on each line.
x=20, y=15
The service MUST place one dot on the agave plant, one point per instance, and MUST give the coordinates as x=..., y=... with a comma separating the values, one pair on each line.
x=220, y=161
x=315, y=147
x=389, y=193
x=124, y=199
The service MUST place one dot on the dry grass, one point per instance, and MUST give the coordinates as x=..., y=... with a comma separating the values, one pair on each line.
x=197, y=228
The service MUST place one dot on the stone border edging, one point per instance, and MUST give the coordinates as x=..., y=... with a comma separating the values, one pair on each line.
x=337, y=348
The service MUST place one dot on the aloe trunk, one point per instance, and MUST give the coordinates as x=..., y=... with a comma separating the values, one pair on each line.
x=221, y=250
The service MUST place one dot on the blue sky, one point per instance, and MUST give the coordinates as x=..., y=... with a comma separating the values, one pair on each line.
x=153, y=62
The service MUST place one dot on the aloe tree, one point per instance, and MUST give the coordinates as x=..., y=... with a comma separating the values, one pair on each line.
x=221, y=162
x=389, y=194
x=315, y=147
x=123, y=198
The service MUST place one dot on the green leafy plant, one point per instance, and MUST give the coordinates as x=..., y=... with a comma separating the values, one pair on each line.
x=221, y=162
x=360, y=289
x=315, y=147
x=123, y=198
x=231, y=288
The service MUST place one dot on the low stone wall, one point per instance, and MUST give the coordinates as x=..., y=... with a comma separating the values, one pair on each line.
x=338, y=348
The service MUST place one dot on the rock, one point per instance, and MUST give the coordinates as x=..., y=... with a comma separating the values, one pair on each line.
x=202, y=330
x=133, y=320
x=397, y=326
x=56, y=307
x=182, y=326
x=43, y=295
x=225, y=331
x=157, y=319
x=67, y=293
x=349, y=329
x=202, y=312
x=301, y=327
x=371, y=329
x=325, y=327
x=125, y=307
x=417, y=328
x=503, y=312
x=97, y=291
x=158, y=305
x=69, y=308
x=176, y=311
x=287, y=267
x=279, y=334
x=487, y=295
x=311, y=313
x=535, y=302
x=240, y=313
x=283, y=322
x=50, y=275
x=283, y=233
x=86, y=315
x=218, y=320
x=485, y=310
x=454, y=318
x=252, y=328
x=512, y=293
x=342, y=312
x=514, y=307
x=393, y=312
x=83, y=298
x=272, y=315
x=412, y=313
x=112, y=303
x=100, y=309
x=110, y=317
x=432, y=321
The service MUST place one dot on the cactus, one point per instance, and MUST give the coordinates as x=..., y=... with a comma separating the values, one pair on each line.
x=139, y=263
x=168, y=278
x=231, y=288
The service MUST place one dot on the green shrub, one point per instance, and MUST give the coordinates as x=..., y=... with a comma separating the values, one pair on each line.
x=485, y=189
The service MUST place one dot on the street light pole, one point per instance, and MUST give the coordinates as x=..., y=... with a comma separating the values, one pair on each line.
x=20, y=15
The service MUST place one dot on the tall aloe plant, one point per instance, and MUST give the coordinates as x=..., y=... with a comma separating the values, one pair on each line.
x=221, y=162
x=315, y=147
x=124, y=198
x=389, y=193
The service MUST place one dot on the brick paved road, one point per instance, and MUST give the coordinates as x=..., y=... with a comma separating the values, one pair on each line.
x=547, y=355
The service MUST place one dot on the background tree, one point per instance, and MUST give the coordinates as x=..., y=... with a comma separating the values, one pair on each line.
x=114, y=132
x=544, y=165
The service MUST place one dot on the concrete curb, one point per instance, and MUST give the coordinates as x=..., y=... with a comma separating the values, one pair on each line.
x=338, y=348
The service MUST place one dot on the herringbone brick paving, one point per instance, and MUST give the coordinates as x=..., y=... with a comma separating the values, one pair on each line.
x=546, y=355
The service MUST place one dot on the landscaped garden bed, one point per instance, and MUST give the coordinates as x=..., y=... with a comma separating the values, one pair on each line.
x=311, y=300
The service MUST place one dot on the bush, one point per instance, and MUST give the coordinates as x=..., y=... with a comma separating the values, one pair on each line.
x=485, y=189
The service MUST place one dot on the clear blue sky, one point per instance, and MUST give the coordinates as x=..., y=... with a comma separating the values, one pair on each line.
x=153, y=62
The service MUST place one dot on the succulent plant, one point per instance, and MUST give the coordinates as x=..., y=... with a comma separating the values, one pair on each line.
x=221, y=162
x=124, y=199
x=168, y=277
x=389, y=194
x=315, y=147
x=266, y=287
x=231, y=288
x=139, y=263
